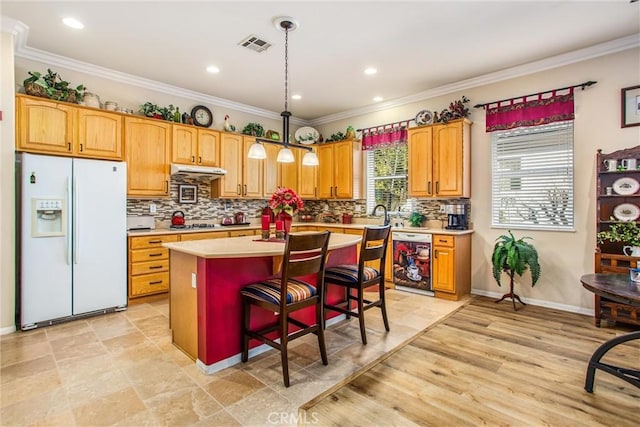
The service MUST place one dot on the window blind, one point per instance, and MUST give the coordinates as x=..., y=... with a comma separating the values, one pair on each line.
x=532, y=179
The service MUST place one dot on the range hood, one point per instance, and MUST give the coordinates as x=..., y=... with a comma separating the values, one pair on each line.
x=201, y=171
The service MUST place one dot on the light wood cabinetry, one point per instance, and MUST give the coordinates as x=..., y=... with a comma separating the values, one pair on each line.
x=203, y=235
x=307, y=179
x=244, y=178
x=610, y=256
x=271, y=179
x=51, y=127
x=440, y=160
x=193, y=146
x=149, y=264
x=451, y=274
x=339, y=174
x=147, y=155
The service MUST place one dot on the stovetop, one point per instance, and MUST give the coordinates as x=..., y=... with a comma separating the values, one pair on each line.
x=194, y=226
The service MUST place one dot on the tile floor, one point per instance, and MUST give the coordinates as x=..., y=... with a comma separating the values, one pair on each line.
x=121, y=369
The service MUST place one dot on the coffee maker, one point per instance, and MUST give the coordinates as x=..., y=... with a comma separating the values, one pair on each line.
x=456, y=216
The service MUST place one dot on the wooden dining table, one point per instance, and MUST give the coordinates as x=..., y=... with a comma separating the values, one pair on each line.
x=618, y=288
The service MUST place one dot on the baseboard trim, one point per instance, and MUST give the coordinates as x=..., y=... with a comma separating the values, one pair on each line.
x=7, y=330
x=541, y=303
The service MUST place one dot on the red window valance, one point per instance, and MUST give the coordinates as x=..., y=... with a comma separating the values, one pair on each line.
x=384, y=136
x=521, y=112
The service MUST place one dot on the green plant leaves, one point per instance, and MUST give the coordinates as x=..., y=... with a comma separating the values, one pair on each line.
x=514, y=255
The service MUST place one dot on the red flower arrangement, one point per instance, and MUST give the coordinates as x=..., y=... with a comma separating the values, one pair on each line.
x=285, y=200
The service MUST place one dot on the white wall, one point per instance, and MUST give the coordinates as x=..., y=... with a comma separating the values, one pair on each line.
x=7, y=186
x=564, y=256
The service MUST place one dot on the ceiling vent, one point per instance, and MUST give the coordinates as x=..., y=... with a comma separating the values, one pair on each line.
x=255, y=43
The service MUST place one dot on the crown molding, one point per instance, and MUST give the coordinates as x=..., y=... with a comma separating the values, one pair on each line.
x=21, y=31
x=607, y=48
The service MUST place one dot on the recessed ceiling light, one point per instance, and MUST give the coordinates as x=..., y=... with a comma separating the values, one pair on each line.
x=213, y=69
x=377, y=98
x=370, y=71
x=296, y=96
x=73, y=23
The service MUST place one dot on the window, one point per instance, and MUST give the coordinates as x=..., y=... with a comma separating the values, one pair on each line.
x=532, y=183
x=386, y=171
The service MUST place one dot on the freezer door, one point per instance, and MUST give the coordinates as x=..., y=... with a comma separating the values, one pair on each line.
x=99, y=230
x=45, y=261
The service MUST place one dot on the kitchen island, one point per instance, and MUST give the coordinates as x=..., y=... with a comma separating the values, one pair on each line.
x=205, y=303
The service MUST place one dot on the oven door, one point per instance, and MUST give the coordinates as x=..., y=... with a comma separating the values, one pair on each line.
x=412, y=262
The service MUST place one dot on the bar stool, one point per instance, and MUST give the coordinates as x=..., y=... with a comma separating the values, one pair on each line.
x=304, y=255
x=358, y=277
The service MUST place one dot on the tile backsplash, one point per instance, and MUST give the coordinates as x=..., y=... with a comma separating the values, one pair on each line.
x=207, y=209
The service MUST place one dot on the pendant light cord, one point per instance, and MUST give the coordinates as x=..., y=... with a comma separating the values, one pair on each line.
x=286, y=67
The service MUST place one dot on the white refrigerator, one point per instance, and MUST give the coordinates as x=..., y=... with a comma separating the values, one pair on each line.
x=73, y=243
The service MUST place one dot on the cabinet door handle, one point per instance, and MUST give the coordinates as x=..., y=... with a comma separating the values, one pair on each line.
x=193, y=159
x=166, y=187
x=81, y=148
x=155, y=241
x=437, y=187
x=435, y=254
x=156, y=282
x=155, y=267
x=315, y=191
x=429, y=187
x=336, y=191
x=68, y=146
x=239, y=189
x=330, y=191
x=442, y=241
x=154, y=255
x=199, y=159
x=245, y=189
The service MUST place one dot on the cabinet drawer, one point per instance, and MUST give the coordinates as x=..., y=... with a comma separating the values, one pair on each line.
x=443, y=240
x=152, y=241
x=158, y=266
x=152, y=254
x=238, y=233
x=205, y=235
x=149, y=284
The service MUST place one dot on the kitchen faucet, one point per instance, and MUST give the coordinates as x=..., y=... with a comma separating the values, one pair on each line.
x=386, y=214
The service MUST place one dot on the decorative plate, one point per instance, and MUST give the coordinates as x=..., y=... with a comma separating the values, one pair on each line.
x=307, y=135
x=626, y=186
x=424, y=117
x=626, y=212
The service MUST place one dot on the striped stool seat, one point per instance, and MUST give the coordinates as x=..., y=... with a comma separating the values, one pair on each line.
x=269, y=291
x=349, y=273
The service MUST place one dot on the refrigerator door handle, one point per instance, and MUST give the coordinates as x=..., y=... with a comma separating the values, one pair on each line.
x=74, y=214
x=68, y=225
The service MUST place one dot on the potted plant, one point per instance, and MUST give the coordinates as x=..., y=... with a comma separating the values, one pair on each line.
x=416, y=219
x=150, y=109
x=513, y=256
x=52, y=86
x=627, y=233
x=254, y=129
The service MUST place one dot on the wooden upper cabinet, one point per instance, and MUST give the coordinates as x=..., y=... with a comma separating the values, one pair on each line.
x=339, y=173
x=208, y=147
x=231, y=151
x=99, y=134
x=184, y=145
x=440, y=160
x=148, y=153
x=44, y=126
x=307, y=177
x=289, y=171
x=193, y=146
x=252, y=172
x=271, y=180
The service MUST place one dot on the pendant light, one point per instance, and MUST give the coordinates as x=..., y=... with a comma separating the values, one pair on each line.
x=285, y=155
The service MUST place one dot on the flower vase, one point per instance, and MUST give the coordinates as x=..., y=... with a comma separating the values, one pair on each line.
x=286, y=221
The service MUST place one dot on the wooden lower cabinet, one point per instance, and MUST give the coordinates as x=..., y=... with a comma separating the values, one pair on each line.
x=451, y=274
x=149, y=264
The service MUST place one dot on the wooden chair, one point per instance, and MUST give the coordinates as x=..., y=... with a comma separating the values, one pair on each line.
x=304, y=255
x=357, y=277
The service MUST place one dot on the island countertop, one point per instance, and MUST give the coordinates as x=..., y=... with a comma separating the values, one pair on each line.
x=249, y=246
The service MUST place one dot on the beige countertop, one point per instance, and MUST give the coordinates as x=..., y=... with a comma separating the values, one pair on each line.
x=248, y=246
x=355, y=226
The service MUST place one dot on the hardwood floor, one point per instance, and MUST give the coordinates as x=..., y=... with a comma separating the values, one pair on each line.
x=486, y=365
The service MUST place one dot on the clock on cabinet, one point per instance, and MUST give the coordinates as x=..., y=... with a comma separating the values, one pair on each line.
x=202, y=116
